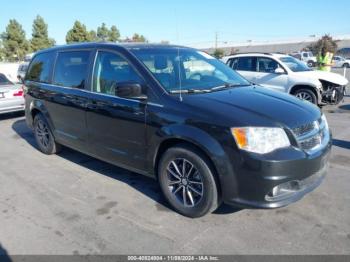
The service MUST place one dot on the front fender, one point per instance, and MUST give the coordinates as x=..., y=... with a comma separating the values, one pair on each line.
x=195, y=136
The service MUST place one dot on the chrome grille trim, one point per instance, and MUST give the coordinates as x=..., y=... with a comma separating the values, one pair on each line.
x=312, y=136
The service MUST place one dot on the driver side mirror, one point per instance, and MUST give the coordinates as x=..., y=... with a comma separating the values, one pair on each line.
x=132, y=90
x=279, y=71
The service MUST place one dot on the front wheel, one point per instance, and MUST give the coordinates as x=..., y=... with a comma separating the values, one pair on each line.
x=187, y=181
x=346, y=65
x=307, y=95
x=311, y=63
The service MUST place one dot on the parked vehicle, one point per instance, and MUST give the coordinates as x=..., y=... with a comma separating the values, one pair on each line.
x=307, y=57
x=340, y=61
x=286, y=74
x=22, y=70
x=11, y=96
x=205, y=133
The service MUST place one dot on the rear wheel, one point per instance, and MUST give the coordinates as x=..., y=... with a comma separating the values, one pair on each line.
x=43, y=136
x=307, y=95
x=346, y=65
x=187, y=181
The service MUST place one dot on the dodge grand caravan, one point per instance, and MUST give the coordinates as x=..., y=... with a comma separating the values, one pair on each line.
x=182, y=117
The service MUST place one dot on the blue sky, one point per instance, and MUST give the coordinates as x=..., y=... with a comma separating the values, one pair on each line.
x=191, y=22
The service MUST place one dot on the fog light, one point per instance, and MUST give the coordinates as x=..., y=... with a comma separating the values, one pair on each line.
x=283, y=190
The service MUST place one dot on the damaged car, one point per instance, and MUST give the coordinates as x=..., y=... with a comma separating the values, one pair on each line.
x=287, y=74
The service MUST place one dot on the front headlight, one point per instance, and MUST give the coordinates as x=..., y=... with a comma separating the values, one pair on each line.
x=260, y=140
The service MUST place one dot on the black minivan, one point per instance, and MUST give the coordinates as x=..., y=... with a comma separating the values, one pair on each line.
x=182, y=117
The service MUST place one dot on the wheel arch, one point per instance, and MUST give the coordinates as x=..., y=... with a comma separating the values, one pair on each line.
x=297, y=87
x=195, y=137
x=36, y=107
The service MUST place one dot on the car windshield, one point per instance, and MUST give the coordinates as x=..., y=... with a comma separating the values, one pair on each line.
x=294, y=64
x=4, y=80
x=188, y=69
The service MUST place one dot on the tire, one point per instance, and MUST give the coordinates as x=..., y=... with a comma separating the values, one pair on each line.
x=306, y=94
x=196, y=185
x=346, y=65
x=311, y=63
x=43, y=136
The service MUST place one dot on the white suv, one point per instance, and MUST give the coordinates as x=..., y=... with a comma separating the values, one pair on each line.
x=307, y=57
x=340, y=61
x=286, y=74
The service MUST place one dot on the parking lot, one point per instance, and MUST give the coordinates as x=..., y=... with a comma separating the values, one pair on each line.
x=73, y=204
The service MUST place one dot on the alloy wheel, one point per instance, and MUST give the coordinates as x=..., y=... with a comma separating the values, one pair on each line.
x=43, y=134
x=304, y=96
x=185, y=182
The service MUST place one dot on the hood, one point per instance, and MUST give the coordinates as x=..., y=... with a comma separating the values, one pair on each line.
x=254, y=106
x=327, y=76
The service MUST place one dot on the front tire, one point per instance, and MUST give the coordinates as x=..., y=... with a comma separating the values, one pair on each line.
x=307, y=95
x=311, y=64
x=43, y=136
x=187, y=181
x=346, y=65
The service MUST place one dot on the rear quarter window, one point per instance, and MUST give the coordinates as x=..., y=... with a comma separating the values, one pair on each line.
x=233, y=63
x=40, y=68
x=4, y=80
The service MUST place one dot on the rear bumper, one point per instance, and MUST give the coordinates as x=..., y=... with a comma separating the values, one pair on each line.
x=257, y=177
x=13, y=105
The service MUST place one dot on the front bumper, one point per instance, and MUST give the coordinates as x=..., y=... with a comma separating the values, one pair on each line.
x=333, y=95
x=255, y=177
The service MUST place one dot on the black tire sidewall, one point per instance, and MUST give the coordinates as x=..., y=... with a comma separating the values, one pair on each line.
x=209, y=200
x=314, y=98
x=51, y=149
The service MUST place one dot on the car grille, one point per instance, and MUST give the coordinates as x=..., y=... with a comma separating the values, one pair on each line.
x=312, y=136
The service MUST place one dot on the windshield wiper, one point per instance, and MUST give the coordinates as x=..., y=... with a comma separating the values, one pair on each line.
x=189, y=91
x=227, y=85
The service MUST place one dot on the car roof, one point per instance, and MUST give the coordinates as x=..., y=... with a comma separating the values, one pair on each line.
x=129, y=46
x=276, y=55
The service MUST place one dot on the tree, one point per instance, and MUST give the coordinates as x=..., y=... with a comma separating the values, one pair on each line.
x=78, y=34
x=139, y=38
x=218, y=53
x=2, y=53
x=326, y=42
x=114, y=34
x=102, y=32
x=92, y=36
x=14, y=41
x=40, y=38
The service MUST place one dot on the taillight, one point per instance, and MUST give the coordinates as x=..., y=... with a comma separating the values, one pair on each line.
x=18, y=93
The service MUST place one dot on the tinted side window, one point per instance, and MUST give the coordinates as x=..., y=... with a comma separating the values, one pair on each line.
x=111, y=69
x=40, y=68
x=71, y=69
x=246, y=64
x=267, y=65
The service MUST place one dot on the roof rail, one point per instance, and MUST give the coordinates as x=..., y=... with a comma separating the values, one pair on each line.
x=241, y=53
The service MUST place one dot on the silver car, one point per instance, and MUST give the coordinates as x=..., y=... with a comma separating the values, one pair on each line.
x=11, y=96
